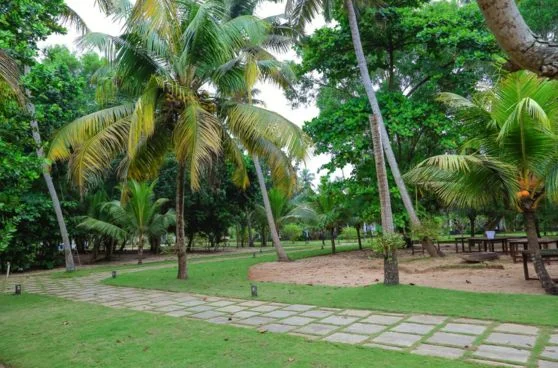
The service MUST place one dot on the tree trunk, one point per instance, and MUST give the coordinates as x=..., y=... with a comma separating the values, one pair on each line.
x=140, y=249
x=281, y=254
x=358, y=237
x=391, y=268
x=180, y=241
x=472, y=223
x=69, y=258
x=332, y=241
x=386, y=144
x=109, y=248
x=250, y=237
x=526, y=50
x=533, y=243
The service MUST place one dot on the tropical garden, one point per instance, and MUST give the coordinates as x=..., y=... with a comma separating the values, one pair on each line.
x=154, y=198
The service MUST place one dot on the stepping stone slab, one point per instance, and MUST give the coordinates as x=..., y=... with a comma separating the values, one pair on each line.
x=365, y=328
x=346, y=338
x=277, y=327
x=551, y=352
x=245, y=314
x=381, y=319
x=355, y=313
x=521, y=341
x=170, y=308
x=265, y=308
x=502, y=353
x=222, y=303
x=299, y=307
x=231, y=309
x=413, y=328
x=162, y=303
x=519, y=329
x=464, y=328
x=426, y=319
x=445, y=338
x=256, y=321
x=547, y=364
x=316, y=314
x=279, y=314
x=201, y=308
x=177, y=313
x=297, y=321
x=495, y=364
x=252, y=303
x=398, y=339
x=439, y=351
x=317, y=329
x=554, y=339
x=192, y=303
x=207, y=315
x=385, y=347
x=339, y=320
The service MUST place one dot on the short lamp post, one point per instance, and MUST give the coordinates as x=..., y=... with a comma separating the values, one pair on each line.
x=18, y=289
x=113, y=274
x=254, y=290
x=254, y=255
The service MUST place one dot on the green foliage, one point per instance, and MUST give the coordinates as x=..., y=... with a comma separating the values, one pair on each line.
x=387, y=243
x=541, y=16
x=429, y=228
x=292, y=231
x=348, y=233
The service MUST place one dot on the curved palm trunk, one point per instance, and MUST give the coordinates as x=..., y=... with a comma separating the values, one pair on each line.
x=281, y=254
x=389, y=155
x=391, y=267
x=69, y=258
x=180, y=243
x=514, y=36
x=533, y=243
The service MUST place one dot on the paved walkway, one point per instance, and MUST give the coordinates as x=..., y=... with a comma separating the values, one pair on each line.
x=480, y=341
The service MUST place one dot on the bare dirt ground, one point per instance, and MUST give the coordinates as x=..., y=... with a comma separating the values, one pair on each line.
x=363, y=268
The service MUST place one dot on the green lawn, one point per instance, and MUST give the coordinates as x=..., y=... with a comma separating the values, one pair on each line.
x=48, y=332
x=229, y=278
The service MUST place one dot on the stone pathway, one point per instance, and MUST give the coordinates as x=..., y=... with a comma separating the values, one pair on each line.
x=486, y=342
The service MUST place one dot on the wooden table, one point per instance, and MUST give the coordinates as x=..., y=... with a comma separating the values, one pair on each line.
x=546, y=254
x=514, y=244
x=488, y=243
x=460, y=239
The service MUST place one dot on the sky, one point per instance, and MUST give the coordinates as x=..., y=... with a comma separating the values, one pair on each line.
x=271, y=95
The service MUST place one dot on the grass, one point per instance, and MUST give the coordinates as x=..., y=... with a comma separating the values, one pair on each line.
x=48, y=332
x=230, y=278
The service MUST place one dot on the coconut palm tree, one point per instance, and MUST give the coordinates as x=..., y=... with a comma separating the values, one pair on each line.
x=176, y=61
x=301, y=12
x=137, y=218
x=512, y=157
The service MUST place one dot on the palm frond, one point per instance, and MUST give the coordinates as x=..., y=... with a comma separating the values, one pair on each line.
x=9, y=72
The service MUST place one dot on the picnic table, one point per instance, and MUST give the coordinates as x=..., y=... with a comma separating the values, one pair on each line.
x=546, y=254
x=544, y=243
x=487, y=243
x=458, y=240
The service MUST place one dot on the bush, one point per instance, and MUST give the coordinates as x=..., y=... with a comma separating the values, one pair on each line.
x=385, y=244
x=348, y=233
x=292, y=231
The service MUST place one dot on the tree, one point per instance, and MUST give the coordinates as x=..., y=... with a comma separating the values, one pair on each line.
x=525, y=49
x=137, y=217
x=511, y=158
x=169, y=56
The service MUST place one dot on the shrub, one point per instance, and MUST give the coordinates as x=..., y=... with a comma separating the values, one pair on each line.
x=292, y=231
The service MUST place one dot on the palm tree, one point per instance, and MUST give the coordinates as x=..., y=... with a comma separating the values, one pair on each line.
x=512, y=157
x=302, y=11
x=137, y=218
x=171, y=58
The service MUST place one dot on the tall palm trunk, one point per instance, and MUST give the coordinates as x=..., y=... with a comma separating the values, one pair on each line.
x=180, y=243
x=533, y=243
x=358, y=237
x=140, y=249
x=390, y=156
x=69, y=258
x=391, y=268
x=281, y=254
x=332, y=233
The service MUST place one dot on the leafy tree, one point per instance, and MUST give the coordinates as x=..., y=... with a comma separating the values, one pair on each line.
x=511, y=159
x=137, y=217
x=292, y=231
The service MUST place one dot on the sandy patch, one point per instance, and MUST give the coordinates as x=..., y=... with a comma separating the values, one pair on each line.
x=362, y=268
